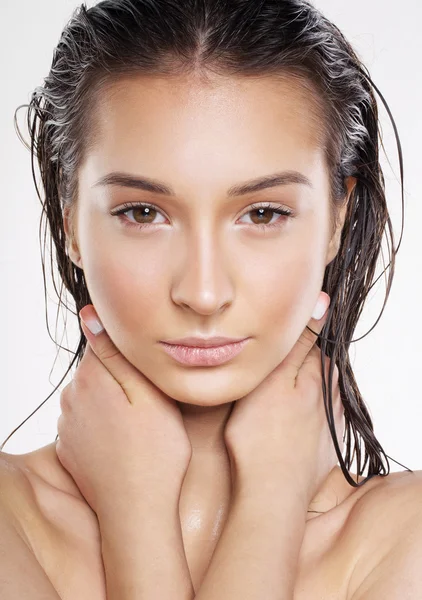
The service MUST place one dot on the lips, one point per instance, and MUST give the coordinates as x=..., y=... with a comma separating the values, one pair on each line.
x=204, y=356
x=202, y=342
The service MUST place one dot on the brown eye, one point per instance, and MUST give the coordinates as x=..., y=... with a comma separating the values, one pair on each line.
x=263, y=216
x=144, y=212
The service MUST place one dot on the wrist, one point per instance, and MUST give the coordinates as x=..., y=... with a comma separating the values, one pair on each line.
x=145, y=558
x=122, y=504
x=263, y=488
x=258, y=552
x=136, y=517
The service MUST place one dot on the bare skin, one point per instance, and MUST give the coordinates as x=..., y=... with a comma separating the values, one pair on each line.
x=211, y=265
x=210, y=269
x=62, y=530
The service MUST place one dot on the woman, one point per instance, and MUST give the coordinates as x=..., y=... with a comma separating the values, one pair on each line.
x=210, y=170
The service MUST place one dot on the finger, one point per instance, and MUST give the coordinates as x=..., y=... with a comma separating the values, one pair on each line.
x=311, y=372
x=295, y=360
x=126, y=375
x=337, y=404
x=312, y=367
x=338, y=410
x=339, y=418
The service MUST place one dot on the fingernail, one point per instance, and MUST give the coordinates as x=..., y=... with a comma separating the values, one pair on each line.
x=321, y=307
x=92, y=321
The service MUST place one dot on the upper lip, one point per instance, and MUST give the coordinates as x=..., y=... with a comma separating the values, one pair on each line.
x=204, y=342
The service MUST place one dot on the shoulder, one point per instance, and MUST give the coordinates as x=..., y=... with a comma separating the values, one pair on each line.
x=42, y=496
x=16, y=492
x=16, y=553
x=387, y=524
x=396, y=500
x=17, y=501
x=45, y=502
x=41, y=468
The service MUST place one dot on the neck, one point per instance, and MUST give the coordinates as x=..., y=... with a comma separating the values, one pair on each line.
x=205, y=427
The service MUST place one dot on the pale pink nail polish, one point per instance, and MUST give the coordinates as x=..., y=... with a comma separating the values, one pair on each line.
x=320, y=308
x=94, y=324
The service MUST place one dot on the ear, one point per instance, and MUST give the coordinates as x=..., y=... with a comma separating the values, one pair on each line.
x=334, y=245
x=71, y=241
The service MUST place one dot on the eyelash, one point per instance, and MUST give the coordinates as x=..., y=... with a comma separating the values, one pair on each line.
x=132, y=205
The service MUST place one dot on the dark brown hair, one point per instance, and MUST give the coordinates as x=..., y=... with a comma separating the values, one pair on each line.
x=233, y=38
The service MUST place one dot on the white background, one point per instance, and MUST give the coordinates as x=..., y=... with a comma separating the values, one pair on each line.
x=387, y=363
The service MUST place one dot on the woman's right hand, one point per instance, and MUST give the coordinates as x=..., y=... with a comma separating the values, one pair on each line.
x=121, y=438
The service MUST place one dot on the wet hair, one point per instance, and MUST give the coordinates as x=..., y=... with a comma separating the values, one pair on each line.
x=231, y=38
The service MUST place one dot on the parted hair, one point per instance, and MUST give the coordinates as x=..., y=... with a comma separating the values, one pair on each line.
x=233, y=38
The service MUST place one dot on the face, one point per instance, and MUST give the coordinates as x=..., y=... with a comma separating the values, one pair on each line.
x=201, y=261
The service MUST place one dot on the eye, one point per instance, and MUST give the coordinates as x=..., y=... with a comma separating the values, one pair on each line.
x=140, y=210
x=262, y=215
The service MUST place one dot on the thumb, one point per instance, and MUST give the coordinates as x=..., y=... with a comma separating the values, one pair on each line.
x=300, y=351
x=126, y=375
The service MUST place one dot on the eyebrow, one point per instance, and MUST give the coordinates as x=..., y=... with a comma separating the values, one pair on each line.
x=158, y=187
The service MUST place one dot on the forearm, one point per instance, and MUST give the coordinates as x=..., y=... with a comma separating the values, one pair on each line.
x=257, y=554
x=145, y=559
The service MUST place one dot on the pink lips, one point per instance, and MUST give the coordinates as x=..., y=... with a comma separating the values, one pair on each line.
x=202, y=356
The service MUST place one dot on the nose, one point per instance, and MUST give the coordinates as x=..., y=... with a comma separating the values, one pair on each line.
x=203, y=284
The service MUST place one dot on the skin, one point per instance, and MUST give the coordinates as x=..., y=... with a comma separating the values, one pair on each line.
x=205, y=265
x=202, y=271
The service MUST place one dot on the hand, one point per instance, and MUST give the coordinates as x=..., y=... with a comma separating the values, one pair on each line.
x=278, y=434
x=121, y=438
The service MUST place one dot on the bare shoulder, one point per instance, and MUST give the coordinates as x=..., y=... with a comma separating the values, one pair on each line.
x=59, y=527
x=22, y=493
x=34, y=483
x=42, y=467
x=384, y=521
x=16, y=553
x=46, y=503
x=46, y=490
x=16, y=492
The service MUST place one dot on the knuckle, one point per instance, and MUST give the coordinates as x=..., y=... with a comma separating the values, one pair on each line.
x=59, y=447
x=60, y=423
x=339, y=411
x=232, y=438
x=314, y=376
x=340, y=424
x=327, y=363
x=81, y=379
x=107, y=351
x=61, y=453
x=327, y=366
x=64, y=399
x=307, y=339
x=336, y=373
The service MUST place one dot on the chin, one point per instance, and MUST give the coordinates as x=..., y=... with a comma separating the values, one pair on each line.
x=209, y=390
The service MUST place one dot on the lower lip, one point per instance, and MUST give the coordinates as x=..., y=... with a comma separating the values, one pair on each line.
x=204, y=357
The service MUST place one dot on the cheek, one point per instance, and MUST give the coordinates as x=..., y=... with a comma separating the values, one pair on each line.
x=125, y=285
x=286, y=295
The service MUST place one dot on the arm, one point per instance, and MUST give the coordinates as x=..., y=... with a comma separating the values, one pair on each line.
x=257, y=554
x=144, y=556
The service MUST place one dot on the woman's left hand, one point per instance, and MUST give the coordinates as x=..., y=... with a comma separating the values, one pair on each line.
x=279, y=433
x=120, y=437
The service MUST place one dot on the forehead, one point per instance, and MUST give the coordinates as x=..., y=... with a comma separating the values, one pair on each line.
x=241, y=126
